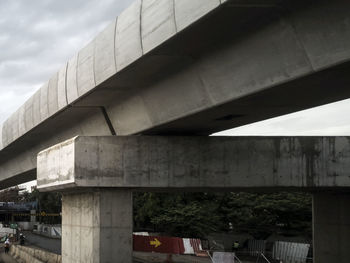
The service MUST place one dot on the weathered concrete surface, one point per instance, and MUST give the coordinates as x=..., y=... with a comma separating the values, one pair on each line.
x=18, y=164
x=196, y=162
x=97, y=226
x=33, y=255
x=204, y=67
x=231, y=59
x=331, y=227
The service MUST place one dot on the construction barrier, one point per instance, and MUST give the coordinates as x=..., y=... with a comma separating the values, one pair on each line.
x=223, y=257
x=256, y=247
x=192, y=246
x=169, y=245
x=290, y=252
x=24, y=254
x=53, y=231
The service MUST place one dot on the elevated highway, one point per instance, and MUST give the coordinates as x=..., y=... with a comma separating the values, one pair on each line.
x=189, y=68
x=180, y=67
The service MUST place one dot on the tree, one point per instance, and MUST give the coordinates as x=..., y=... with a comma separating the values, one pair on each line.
x=10, y=194
x=197, y=214
x=48, y=202
x=263, y=214
x=184, y=214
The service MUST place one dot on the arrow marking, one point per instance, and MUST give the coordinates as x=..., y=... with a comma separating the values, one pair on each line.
x=156, y=243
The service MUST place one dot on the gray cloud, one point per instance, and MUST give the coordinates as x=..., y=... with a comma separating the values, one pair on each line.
x=39, y=36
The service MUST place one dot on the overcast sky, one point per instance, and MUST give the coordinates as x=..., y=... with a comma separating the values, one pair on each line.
x=39, y=36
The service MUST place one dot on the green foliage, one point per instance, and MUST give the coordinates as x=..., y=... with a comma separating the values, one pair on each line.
x=264, y=214
x=48, y=202
x=197, y=214
x=184, y=215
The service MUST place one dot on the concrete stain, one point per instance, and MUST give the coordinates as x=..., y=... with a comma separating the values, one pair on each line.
x=311, y=154
x=277, y=151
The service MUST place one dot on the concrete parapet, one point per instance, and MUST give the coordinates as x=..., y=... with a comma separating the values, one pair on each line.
x=25, y=254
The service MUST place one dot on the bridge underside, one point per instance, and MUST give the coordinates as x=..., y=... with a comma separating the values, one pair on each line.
x=98, y=175
x=237, y=64
x=234, y=64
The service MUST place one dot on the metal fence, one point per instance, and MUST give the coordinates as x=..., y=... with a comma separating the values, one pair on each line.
x=290, y=252
x=256, y=247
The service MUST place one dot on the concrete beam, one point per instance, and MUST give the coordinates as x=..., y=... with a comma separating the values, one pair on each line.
x=227, y=63
x=196, y=163
x=18, y=165
x=147, y=57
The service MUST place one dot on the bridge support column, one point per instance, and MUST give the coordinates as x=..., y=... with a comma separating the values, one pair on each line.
x=115, y=164
x=97, y=226
x=331, y=227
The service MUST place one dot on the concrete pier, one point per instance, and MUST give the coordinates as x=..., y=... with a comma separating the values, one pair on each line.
x=97, y=226
x=97, y=175
x=331, y=227
x=187, y=68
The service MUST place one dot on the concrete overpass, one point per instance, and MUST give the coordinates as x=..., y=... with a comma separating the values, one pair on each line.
x=179, y=67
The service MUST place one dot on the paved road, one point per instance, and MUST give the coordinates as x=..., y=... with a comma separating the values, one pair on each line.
x=5, y=258
x=49, y=244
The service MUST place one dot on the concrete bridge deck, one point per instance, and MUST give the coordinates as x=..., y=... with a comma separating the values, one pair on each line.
x=180, y=67
x=186, y=67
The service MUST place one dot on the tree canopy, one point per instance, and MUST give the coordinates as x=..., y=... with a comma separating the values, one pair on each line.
x=198, y=214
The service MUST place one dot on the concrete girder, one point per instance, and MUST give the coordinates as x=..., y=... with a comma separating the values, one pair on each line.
x=119, y=45
x=287, y=44
x=44, y=106
x=61, y=88
x=225, y=66
x=196, y=163
x=85, y=70
x=28, y=114
x=18, y=165
x=157, y=31
x=1, y=125
x=128, y=47
x=36, y=108
x=71, y=80
x=52, y=95
x=189, y=12
x=21, y=122
x=104, y=58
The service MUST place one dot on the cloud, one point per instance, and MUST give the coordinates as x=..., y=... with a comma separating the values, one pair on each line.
x=38, y=37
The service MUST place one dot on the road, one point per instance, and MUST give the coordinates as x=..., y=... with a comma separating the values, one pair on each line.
x=50, y=244
x=5, y=258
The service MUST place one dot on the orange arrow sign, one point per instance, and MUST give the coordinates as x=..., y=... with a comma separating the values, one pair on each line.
x=156, y=243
